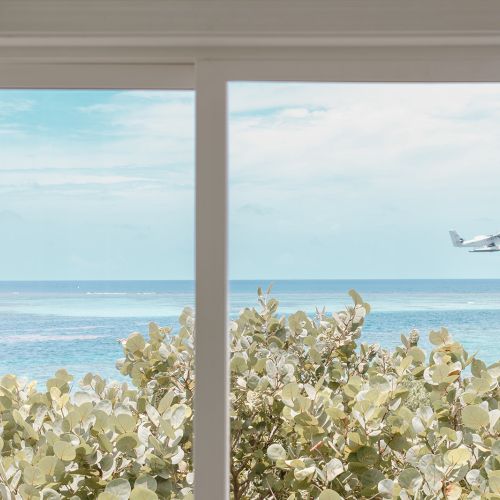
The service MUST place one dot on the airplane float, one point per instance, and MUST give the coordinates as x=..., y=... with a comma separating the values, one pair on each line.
x=481, y=243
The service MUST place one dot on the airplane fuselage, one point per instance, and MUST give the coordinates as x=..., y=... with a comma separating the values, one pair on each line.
x=482, y=243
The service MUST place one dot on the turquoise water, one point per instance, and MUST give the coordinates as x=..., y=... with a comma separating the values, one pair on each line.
x=48, y=325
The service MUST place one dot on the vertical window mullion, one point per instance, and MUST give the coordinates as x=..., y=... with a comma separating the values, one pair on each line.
x=211, y=408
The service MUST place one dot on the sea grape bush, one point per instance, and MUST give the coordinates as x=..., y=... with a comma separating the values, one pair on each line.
x=315, y=413
x=107, y=441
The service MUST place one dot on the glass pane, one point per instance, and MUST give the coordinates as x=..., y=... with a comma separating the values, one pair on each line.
x=339, y=187
x=97, y=224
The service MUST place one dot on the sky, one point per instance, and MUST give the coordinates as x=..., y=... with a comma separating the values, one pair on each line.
x=326, y=181
x=96, y=185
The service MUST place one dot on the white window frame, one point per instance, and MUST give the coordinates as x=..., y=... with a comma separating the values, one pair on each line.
x=389, y=65
x=179, y=46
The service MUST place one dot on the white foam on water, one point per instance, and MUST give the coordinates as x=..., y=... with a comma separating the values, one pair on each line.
x=56, y=329
x=31, y=337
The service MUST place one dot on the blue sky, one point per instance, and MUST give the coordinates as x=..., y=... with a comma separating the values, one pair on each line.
x=96, y=185
x=326, y=181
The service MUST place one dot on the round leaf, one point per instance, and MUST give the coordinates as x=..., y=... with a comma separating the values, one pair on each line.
x=329, y=495
x=385, y=488
x=124, y=423
x=135, y=343
x=410, y=479
x=64, y=450
x=50, y=494
x=475, y=417
x=140, y=493
x=439, y=337
x=120, y=488
x=146, y=481
x=127, y=442
x=290, y=393
x=459, y=456
x=276, y=452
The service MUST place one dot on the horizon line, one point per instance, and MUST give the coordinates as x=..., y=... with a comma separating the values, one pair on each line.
x=240, y=279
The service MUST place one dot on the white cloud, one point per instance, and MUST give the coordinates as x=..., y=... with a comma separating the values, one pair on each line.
x=13, y=106
x=132, y=132
x=9, y=125
x=358, y=170
x=42, y=179
x=371, y=131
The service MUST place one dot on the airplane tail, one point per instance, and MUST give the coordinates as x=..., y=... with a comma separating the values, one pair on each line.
x=456, y=239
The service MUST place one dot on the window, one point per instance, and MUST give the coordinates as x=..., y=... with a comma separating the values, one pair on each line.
x=345, y=186
x=330, y=45
x=97, y=218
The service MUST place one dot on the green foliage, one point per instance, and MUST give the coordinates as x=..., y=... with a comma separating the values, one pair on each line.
x=314, y=414
x=107, y=441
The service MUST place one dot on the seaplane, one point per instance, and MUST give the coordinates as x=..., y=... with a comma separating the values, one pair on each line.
x=481, y=243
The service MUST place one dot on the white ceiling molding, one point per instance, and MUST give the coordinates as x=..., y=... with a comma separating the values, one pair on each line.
x=189, y=29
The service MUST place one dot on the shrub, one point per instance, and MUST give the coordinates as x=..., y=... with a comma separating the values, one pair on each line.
x=313, y=415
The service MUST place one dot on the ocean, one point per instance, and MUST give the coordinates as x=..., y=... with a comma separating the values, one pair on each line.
x=75, y=324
